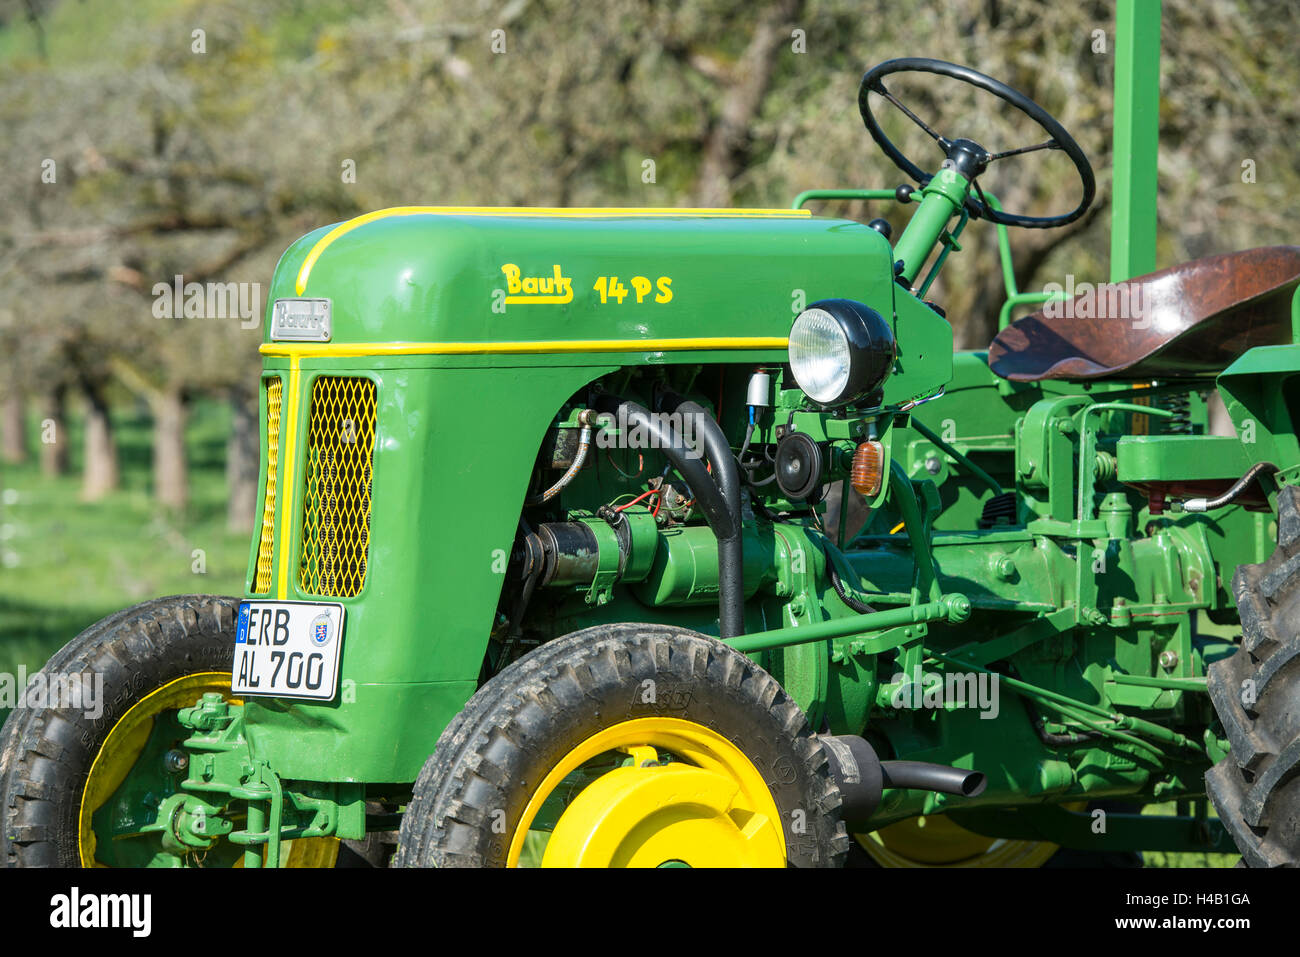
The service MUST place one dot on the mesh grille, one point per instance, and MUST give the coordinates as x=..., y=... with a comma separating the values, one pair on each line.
x=336, y=500
x=265, y=544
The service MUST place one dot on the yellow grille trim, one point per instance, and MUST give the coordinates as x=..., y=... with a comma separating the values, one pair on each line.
x=266, y=543
x=290, y=470
x=336, y=489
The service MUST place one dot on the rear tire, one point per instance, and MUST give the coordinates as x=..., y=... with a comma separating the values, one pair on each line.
x=471, y=797
x=1256, y=693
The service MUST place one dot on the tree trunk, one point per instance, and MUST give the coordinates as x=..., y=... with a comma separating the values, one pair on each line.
x=242, y=459
x=54, y=432
x=170, y=481
x=726, y=150
x=13, y=424
x=100, y=472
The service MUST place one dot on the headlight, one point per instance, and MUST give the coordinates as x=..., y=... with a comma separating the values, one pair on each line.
x=840, y=351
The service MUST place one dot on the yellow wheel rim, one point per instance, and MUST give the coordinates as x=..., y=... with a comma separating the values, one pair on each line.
x=935, y=841
x=706, y=807
x=127, y=738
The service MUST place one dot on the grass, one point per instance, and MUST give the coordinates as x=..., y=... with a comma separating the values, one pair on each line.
x=65, y=563
x=1184, y=858
x=80, y=32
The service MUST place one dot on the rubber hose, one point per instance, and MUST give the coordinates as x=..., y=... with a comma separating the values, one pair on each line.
x=731, y=550
x=707, y=495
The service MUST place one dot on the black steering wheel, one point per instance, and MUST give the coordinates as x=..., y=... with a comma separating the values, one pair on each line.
x=967, y=157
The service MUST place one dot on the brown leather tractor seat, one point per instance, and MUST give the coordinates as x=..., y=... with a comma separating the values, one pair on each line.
x=1187, y=321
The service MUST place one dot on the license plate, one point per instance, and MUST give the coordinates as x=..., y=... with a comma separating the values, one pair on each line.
x=287, y=649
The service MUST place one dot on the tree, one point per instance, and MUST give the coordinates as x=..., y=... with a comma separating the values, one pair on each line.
x=154, y=161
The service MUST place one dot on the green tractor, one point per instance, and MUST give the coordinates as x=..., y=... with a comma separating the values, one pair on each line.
x=575, y=551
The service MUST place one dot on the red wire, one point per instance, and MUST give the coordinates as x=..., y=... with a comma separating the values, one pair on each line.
x=653, y=491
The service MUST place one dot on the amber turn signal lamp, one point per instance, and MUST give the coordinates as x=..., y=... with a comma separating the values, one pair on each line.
x=868, y=469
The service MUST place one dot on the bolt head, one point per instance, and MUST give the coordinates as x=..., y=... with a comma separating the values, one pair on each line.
x=959, y=608
x=176, y=761
x=933, y=465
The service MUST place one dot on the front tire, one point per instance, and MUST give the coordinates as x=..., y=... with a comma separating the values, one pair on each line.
x=48, y=752
x=76, y=777
x=627, y=745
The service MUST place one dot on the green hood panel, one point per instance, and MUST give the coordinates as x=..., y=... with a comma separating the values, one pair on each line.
x=693, y=286
x=449, y=277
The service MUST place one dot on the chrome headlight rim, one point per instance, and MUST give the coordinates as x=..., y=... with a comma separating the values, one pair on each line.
x=864, y=342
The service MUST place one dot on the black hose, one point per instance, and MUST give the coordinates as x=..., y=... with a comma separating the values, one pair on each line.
x=744, y=446
x=708, y=496
x=748, y=468
x=1039, y=723
x=531, y=577
x=1051, y=738
x=924, y=776
x=861, y=607
x=731, y=551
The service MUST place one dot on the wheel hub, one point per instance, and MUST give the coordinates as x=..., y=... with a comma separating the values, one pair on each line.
x=687, y=797
x=656, y=816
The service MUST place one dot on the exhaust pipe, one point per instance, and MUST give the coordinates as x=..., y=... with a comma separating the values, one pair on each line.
x=923, y=776
x=861, y=776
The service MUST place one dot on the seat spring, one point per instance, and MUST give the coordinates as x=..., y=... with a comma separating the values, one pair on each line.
x=1180, y=404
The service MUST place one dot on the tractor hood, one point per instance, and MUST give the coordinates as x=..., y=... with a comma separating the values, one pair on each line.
x=524, y=275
